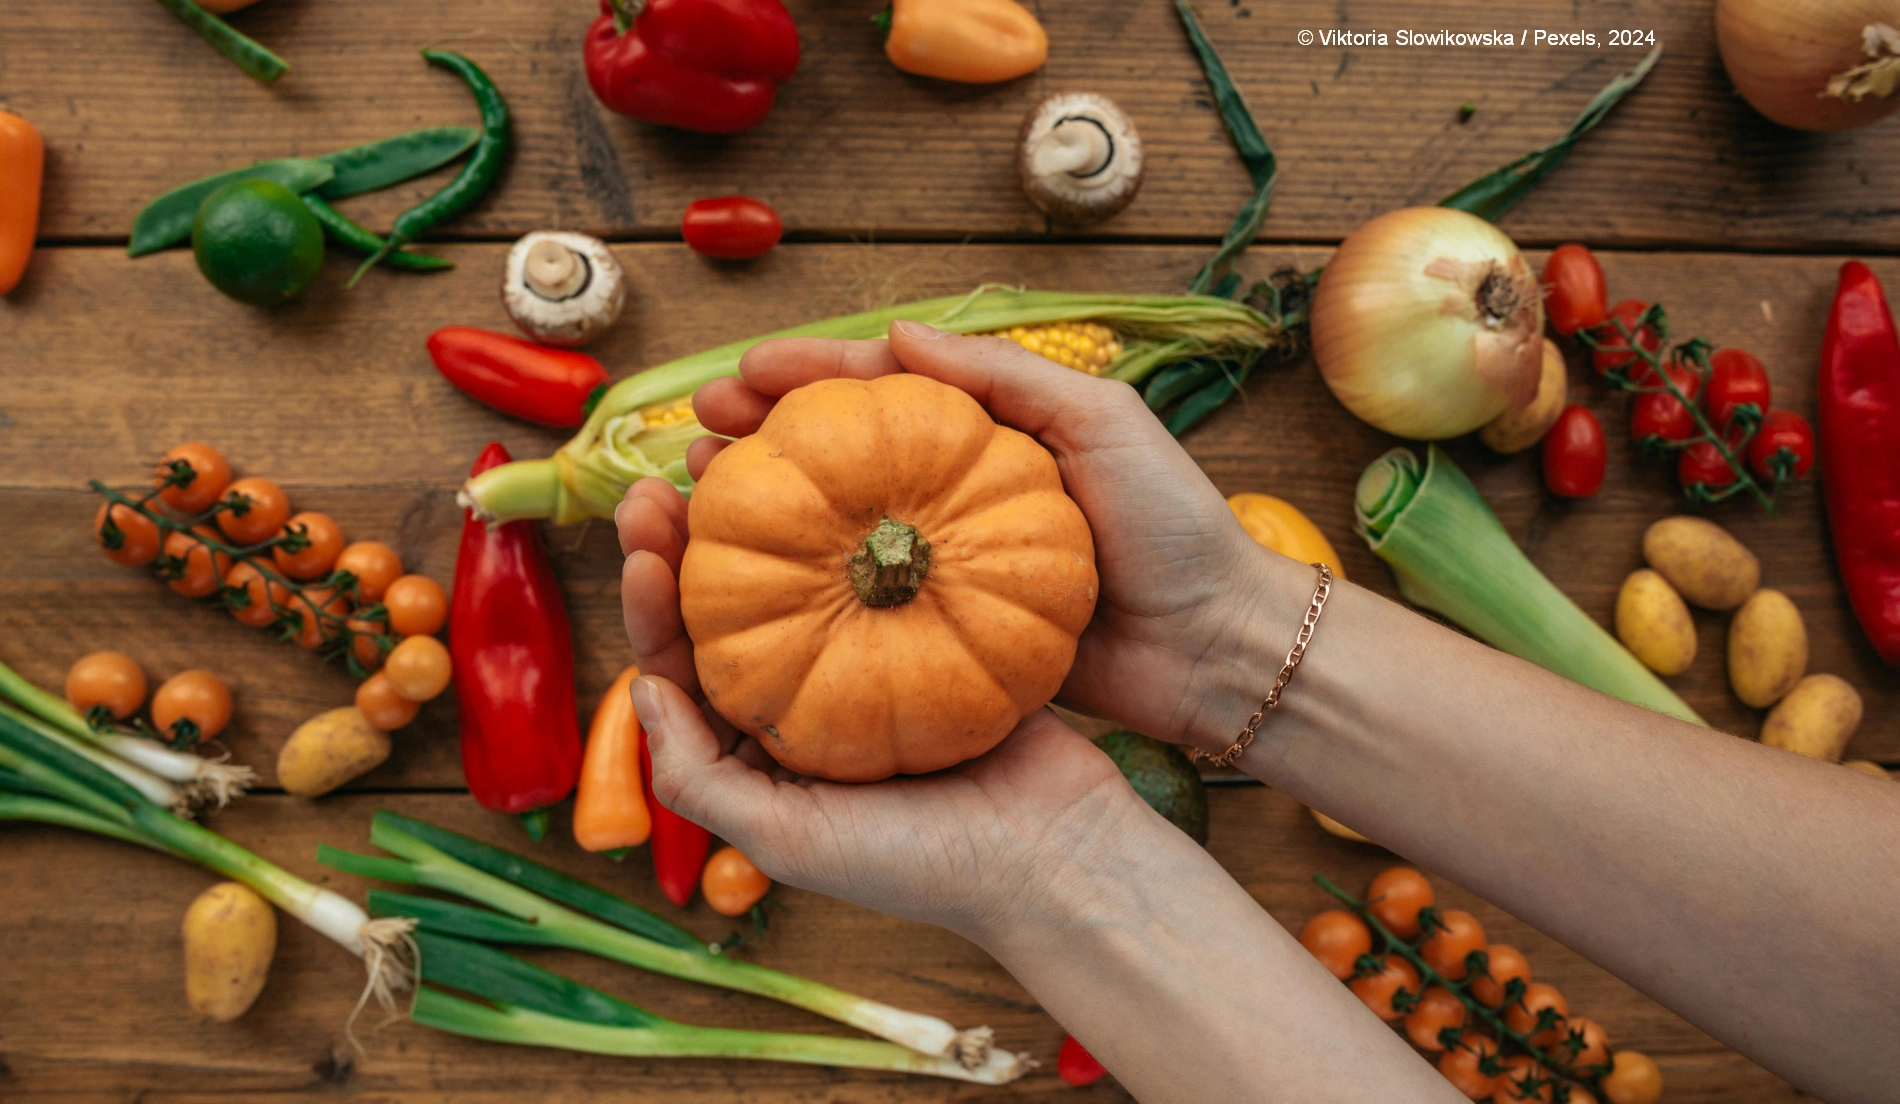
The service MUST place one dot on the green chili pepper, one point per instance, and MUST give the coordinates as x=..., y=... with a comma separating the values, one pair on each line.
x=377, y=165
x=477, y=175
x=167, y=219
x=348, y=234
x=248, y=55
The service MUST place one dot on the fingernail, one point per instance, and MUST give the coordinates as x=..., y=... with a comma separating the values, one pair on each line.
x=916, y=330
x=646, y=704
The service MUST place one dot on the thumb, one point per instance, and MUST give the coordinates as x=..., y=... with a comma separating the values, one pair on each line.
x=691, y=776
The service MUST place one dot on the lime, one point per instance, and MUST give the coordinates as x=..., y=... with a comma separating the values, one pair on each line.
x=256, y=242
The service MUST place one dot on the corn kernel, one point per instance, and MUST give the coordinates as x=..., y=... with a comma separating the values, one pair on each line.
x=1084, y=346
x=668, y=413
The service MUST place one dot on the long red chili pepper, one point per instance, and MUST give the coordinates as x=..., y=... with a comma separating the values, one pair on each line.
x=1860, y=431
x=679, y=845
x=555, y=387
x=514, y=665
x=708, y=65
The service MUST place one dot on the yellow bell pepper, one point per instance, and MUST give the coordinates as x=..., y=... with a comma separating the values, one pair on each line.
x=973, y=41
x=1279, y=525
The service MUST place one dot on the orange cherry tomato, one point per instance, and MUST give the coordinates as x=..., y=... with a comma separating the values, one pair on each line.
x=381, y=706
x=267, y=507
x=1523, y=1016
x=1438, y=1010
x=112, y=679
x=731, y=883
x=206, y=473
x=1505, y=964
x=375, y=566
x=418, y=668
x=256, y=611
x=1523, y=1080
x=315, y=559
x=1456, y=935
x=198, y=697
x=197, y=569
x=1337, y=938
x=1634, y=1079
x=365, y=641
x=417, y=606
x=1464, y=1066
x=1580, y=1095
x=1384, y=992
x=1584, y=1046
x=131, y=538
x=1396, y=897
x=317, y=613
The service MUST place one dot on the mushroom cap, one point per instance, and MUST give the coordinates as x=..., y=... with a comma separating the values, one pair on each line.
x=578, y=317
x=1089, y=197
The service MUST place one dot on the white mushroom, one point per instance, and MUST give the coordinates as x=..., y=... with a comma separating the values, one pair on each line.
x=1079, y=157
x=563, y=289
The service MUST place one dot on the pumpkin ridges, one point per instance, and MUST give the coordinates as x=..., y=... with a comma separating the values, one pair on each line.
x=786, y=513
x=1012, y=464
x=979, y=618
x=774, y=587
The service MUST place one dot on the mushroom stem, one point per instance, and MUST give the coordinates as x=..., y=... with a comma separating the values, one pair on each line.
x=1079, y=147
x=553, y=271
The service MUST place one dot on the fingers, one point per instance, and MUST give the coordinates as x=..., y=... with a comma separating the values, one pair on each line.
x=730, y=407
x=700, y=453
x=776, y=367
x=644, y=525
x=691, y=774
x=650, y=604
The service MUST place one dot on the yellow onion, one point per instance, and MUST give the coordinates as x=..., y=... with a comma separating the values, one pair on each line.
x=1813, y=64
x=1428, y=323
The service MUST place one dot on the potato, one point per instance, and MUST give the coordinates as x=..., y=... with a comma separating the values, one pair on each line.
x=1816, y=719
x=328, y=750
x=1515, y=431
x=1868, y=766
x=230, y=936
x=1699, y=558
x=1767, y=648
x=1654, y=624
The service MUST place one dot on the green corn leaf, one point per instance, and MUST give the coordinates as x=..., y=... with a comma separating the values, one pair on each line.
x=1174, y=381
x=1262, y=167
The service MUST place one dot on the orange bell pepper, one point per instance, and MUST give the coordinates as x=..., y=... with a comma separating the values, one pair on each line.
x=610, y=807
x=1279, y=525
x=973, y=41
x=22, y=163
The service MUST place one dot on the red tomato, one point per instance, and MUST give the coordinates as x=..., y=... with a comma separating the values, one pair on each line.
x=1615, y=352
x=1077, y=1066
x=1658, y=416
x=1574, y=454
x=1736, y=381
x=1701, y=464
x=735, y=227
x=1783, y=448
x=1575, y=296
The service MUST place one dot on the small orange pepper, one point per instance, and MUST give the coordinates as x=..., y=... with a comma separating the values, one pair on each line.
x=731, y=883
x=1277, y=524
x=22, y=163
x=973, y=41
x=610, y=808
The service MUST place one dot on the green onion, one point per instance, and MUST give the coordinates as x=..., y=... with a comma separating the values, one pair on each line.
x=150, y=786
x=642, y=425
x=535, y=1007
x=1450, y=554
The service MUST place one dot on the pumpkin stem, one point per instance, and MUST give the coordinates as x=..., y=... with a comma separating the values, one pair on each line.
x=890, y=566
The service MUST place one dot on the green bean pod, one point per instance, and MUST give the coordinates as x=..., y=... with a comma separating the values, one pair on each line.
x=245, y=53
x=348, y=234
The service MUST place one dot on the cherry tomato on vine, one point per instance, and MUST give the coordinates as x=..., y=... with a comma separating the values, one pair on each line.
x=1504, y=963
x=256, y=611
x=317, y=557
x=112, y=679
x=1463, y=1066
x=1657, y=417
x=419, y=668
x=1453, y=938
x=1524, y=1016
x=1395, y=898
x=731, y=882
x=210, y=475
x=1580, y=1095
x=1584, y=1046
x=1077, y=1066
x=381, y=706
x=1634, y=1079
x=199, y=697
x=314, y=612
x=1615, y=353
x=1438, y=1010
x=1736, y=381
x=1337, y=938
x=198, y=570
x=1575, y=456
x=1522, y=1081
x=1393, y=986
x=365, y=643
x=1783, y=448
x=416, y=605
x=1702, y=464
x=131, y=538
x=1575, y=295
x=267, y=508
x=375, y=565
x=735, y=227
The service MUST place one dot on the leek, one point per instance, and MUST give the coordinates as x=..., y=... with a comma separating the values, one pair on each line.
x=1451, y=555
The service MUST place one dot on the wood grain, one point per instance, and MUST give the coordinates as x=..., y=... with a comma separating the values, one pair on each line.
x=132, y=103
x=98, y=952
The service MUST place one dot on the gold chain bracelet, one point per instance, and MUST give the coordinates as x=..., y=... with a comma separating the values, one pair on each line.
x=1293, y=657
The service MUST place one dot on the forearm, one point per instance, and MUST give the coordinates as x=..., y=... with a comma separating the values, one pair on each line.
x=1172, y=976
x=1744, y=887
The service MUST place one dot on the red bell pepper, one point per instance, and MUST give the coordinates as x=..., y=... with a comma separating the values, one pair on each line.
x=554, y=387
x=708, y=65
x=1076, y=1066
x=1860, y=427
x=514, y=665
x=679, y=845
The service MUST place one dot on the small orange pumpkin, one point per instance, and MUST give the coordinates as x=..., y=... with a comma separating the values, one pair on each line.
x=882, y=580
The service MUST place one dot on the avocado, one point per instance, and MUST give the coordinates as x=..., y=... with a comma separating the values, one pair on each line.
x=1164, y=778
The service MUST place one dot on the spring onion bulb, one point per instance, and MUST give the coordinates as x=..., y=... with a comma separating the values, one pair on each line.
x=1813, y=64
x=153, y=788
x=1451, y=555
x=1428, y=323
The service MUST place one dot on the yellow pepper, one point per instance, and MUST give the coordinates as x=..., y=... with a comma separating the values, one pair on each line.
x=973, y=41
x=1279, y=525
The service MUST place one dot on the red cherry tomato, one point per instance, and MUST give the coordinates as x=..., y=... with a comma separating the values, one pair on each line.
x=1736, y=381
x=1614, y=352
x=1783, y=448
x=1702, y=464
x=736, y=228
x=1658, y=416
x=1077, y=1066
x=1576, y=297
x=1574, y=454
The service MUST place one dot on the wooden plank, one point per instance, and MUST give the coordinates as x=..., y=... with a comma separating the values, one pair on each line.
x=96, y=947
x=335, y=397
x=856, y=149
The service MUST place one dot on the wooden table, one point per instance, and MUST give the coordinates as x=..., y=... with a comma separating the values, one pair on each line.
x=891, y=187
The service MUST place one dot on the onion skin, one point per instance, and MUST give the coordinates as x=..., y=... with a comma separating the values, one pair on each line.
x=1400, y=336
x=1781, y=54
